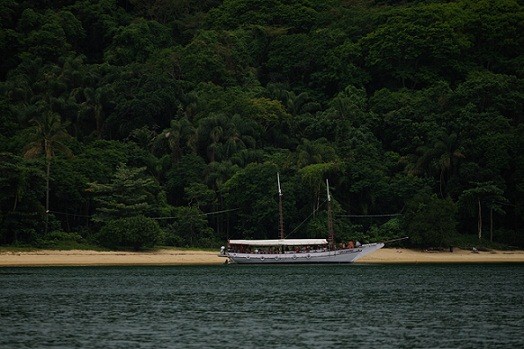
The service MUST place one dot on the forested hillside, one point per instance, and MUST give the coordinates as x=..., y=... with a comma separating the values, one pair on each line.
x=138, y=123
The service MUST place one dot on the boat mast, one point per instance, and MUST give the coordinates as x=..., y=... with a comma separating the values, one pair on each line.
x=331, y=236
x=280, y=209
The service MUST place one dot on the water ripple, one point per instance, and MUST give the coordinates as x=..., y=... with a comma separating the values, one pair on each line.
x=405, y=306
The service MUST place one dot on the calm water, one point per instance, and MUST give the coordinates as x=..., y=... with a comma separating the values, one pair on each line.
x=347, y=306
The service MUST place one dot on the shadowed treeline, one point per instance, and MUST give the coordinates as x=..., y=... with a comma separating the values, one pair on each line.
x=127, y=123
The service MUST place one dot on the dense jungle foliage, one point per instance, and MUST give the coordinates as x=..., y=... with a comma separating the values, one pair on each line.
x=136, y=123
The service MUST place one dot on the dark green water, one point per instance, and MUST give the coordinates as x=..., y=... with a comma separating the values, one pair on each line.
x=346, y=306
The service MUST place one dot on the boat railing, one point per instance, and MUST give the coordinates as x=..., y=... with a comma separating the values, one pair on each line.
x=262, y=251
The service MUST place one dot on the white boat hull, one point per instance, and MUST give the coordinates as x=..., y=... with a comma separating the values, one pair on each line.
x=337, y=256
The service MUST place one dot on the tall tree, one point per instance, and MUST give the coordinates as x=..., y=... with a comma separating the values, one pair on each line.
x=48, y=136
x=130, y=193
x=180, y=137
x=441, y=156
x=22, y=184
x=487, y=193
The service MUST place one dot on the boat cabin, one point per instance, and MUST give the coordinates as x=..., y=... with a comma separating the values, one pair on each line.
x=281, y=246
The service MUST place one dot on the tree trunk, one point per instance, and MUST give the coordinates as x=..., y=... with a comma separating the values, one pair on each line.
x=491, y=225
x=441, y=179
x=480, y=220
x=15, y=203
x=48, y=170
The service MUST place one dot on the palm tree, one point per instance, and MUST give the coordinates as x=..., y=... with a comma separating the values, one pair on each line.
x=93, y=106
x=315, y=152
x=48, y=136
x=441, y=156
x=217, y=173
x=300, y=104
x=180, y=135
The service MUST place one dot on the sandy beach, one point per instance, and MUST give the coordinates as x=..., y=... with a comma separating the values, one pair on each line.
x=395, y=255
x=96, y=258
x=186, y=257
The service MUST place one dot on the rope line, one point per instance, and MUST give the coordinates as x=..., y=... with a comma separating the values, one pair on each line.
x=89, y=216
x=370, y=215
x=304, y=221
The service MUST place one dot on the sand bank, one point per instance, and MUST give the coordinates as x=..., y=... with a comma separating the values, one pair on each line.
x=94, y=258
x=394, y=255
x=184, y=257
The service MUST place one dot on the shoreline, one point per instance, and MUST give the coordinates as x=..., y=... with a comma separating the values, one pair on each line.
x=172, y=257
x=408, y=256
x=62, y=258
